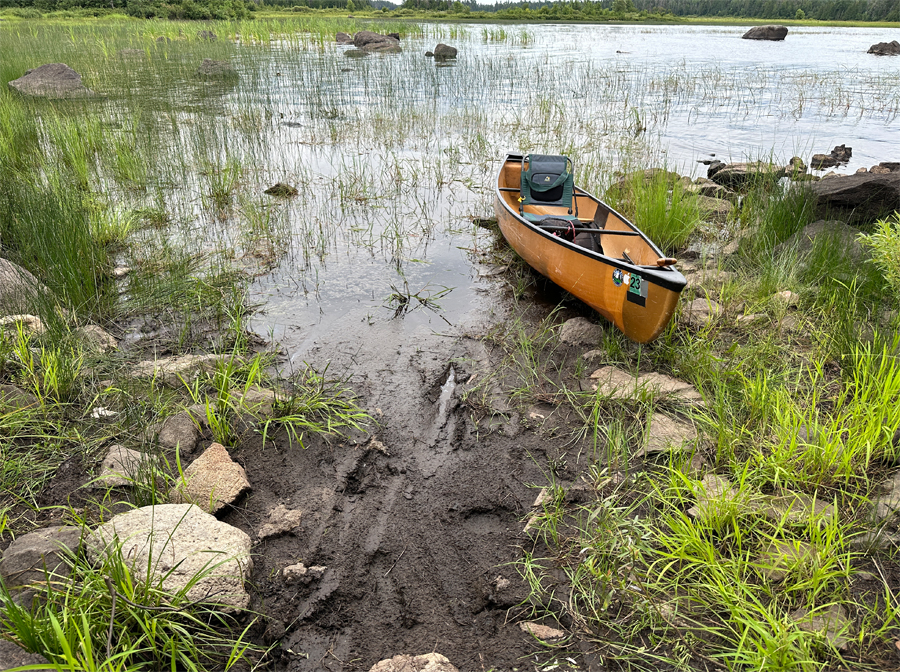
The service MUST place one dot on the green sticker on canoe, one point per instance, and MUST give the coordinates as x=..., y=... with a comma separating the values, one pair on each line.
x=637, y=285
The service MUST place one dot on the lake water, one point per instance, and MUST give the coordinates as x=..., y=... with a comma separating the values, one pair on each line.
x=418, y=142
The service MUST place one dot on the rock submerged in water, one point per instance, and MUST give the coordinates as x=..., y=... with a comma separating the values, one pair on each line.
x=369, y=41
x=885, y=49
x=343, y=38
x=54, y=81
x=444, y=51
x=212, y=69
x=838, y=155
x=772, y=33
x=282, y=190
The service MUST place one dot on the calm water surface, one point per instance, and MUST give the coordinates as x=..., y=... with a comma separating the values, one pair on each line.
x=612, y=97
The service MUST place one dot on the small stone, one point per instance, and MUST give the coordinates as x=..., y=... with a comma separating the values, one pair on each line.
x=874, y=541
x=501, y=583
x=830, y=621
x=280, y=520
x=796, y=508
x=701, y=313
x=97, y=338
x=782, y=556
x=887, y=502
x=713, y=494
x=121, y=466
x=665, y=434
x=31, y=324
x=787, y=298
x=750, y=319
x=580, y=330
x=255, y=400
x=32, y=557
x=618, y=384
x=171, y=370
x=541, y=632
x=212, y=481
x=179, y=432
x=429, y=662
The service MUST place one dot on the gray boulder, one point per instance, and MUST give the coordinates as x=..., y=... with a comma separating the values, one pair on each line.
x=18, y=288
x=737, y=175
x=212, y=69
x=444, y=51
x=54, y=81
x=33, y=558
x=885, y=48
x=369, y=41
x=343, y=38
x=862, y=197
x=772, y=33
x=12, y=656
x=13, y=398
x=179, y=432
x=207, y=35
x=185, y=548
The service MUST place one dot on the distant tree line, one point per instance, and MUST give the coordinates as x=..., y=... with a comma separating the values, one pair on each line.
x=562, y=10
x=820, y=10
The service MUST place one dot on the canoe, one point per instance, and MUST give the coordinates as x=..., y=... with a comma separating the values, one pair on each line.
x=629, y=281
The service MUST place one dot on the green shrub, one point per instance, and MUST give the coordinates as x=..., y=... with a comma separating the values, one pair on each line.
x=884, y=243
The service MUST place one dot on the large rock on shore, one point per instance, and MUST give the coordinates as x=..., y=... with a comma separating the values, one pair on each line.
x=885, y=49
x=369, y=41
x=737, y=175
x=54, y=81
x=773, y=33
x=176, y=544
x=858, y=198
x=18, y=288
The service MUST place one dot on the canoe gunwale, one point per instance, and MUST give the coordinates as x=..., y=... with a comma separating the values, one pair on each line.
x=667, y=278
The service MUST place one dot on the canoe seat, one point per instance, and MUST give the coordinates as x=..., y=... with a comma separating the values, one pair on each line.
x=548, y=179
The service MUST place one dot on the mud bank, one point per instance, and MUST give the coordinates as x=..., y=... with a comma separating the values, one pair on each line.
x=416, y=520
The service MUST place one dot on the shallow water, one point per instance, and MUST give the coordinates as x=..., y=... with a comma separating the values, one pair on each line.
x=698, y=91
